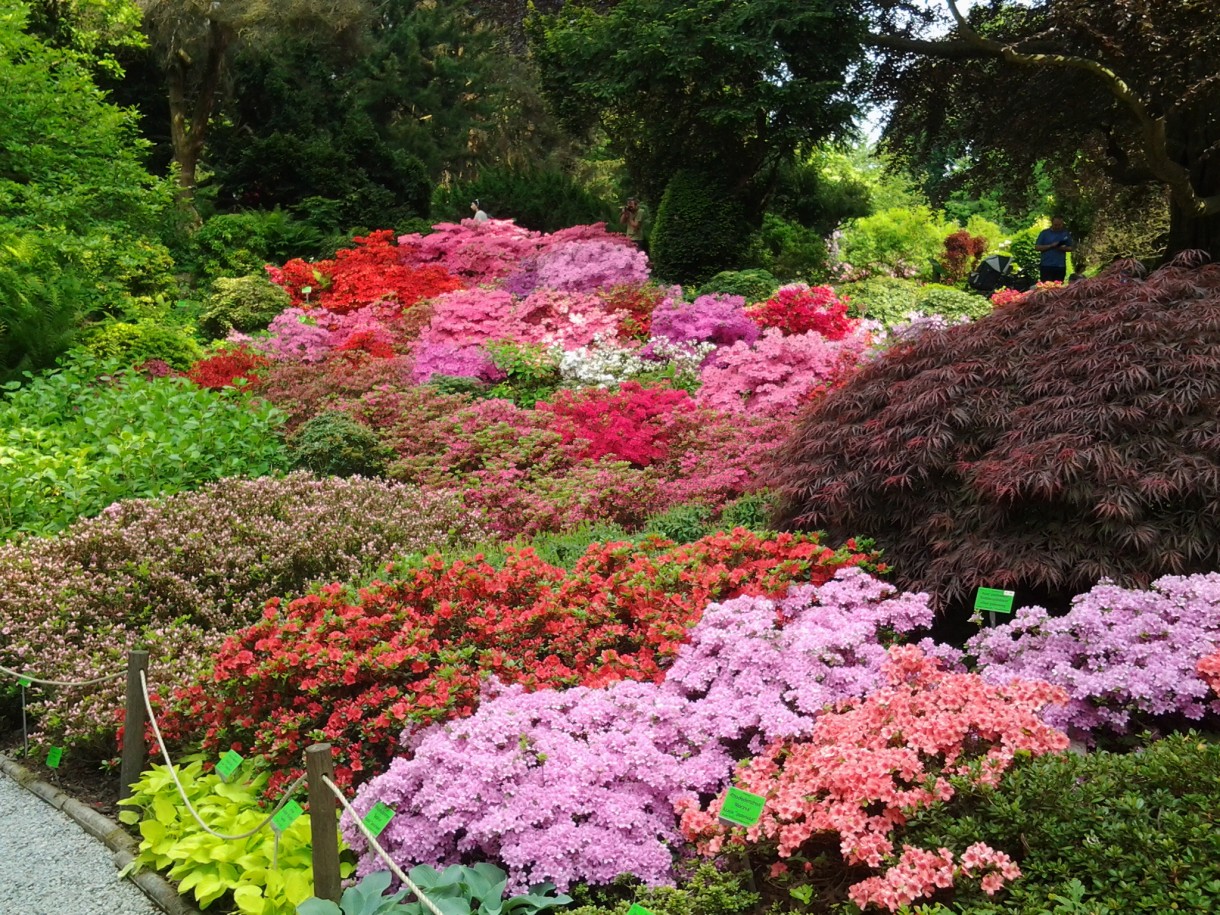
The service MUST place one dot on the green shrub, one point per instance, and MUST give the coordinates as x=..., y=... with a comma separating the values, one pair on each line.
x=244, y=303
x=1114, y=833
x=788, y=250
x=74, y=441
x=544, y=200
x=708, y=891
x=133, y=344
x=881, y=298
x=682, y=523
x=40, y=303
x=238, y=244
x=754, y=284
x=935, y=299
x=699, y=230
x=904, y=241
x=334, y=444
x=1022, y=247
x=752, y=511
x=532, y=370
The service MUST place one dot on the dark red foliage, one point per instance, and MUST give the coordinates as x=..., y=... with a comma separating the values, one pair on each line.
x=223, y=369
x=634, y=424
x=962, y=253
x=634, y=305
x=1042, y=447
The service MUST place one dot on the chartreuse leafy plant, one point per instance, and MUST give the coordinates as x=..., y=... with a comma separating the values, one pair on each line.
x=211, y=869
x=1040, y=448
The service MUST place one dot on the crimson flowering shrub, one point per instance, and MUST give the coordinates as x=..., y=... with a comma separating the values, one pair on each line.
x=477, y=252
x=1121, y=655
x=222, y=369
x=303, y=391
x=356, y=670
x=179, y=573
x=580, y=785
x=633, y=304
x=634, y=424
x=776, y=376
x=1040, y=448
x=373, y=271
x=850, y=786
x=713, y=318
x=800, y=308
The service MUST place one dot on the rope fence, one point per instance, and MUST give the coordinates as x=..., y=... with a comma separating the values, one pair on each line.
x=318, y=778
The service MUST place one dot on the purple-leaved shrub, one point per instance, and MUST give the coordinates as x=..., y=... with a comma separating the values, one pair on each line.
x=1121, y=654
x=580, y=785
x=179, y=574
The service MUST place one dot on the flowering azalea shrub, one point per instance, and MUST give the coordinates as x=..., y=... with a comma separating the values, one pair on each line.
x=850, y=786
x=586, y=266
x=633, y=424
x=477, y=252
x=580, y=785
x=776, y=376
x=373, y=271
x=224, y=368
x=178, y=574
x=1122, y=655
x=714, y=318
x=800, y=308
x=356, y=669
x=634, y=305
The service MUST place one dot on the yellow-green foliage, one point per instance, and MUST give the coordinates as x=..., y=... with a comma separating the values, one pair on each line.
x=137, y=343
x=214, y=869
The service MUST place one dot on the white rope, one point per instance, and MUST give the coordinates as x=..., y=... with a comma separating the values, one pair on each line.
x=18, y=676
x=152, y=719
x=394, y=868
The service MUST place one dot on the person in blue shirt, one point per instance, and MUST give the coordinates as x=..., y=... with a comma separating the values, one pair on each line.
x=1054, y=243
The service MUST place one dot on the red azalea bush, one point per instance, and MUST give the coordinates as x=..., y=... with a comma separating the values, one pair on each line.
x=798, y=309
x=356, y=670
x=634, y=424
x=371, y=272
x=633, y=304
x=224, y=368
x=868, y=765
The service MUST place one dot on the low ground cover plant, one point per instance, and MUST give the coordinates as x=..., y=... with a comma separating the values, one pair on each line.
x=178, y=574
x=355, y=669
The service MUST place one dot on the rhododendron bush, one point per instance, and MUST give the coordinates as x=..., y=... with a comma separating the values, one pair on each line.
x=850, y=786
x=356, y=669
x=799, y=309
x=580, y=785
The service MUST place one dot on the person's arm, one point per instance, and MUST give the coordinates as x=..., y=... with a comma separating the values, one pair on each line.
x=1038, y=245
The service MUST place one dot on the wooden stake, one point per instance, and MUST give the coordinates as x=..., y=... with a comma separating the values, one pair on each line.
x=134, y=749
x=323, y=822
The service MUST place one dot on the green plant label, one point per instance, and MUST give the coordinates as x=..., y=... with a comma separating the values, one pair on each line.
x=54, y=757
x=25, y=681
x=287, y=816
x=229, y=763
x=741, y=808
x=994, y=600
x=637, y=909
x=378, y=818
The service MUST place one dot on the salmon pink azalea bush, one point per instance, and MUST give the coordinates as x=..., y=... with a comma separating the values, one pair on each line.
x=851, y=785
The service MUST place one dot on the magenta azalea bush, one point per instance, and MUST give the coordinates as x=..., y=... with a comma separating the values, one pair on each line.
x=1122, y=655
x=580, y=785
x=714, y=318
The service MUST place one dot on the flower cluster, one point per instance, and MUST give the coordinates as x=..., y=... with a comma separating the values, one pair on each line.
x=580, y=785
x=1119, y=653
x=866, y=766
x=799, y=309
x=715, y=318
x=356, y=670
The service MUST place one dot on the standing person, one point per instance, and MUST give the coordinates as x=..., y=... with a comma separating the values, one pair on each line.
x=630, y=217
x=1054, y=243
x=479, y=215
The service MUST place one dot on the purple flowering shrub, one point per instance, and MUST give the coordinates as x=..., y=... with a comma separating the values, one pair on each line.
x=180, y=573
x=1121, y=654
x=584, y=266
x=580, y=785
x=713, y=318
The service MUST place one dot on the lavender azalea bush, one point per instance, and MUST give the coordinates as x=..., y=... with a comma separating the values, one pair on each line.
x=580, y=784
x=714, y=318
x=1119, y=653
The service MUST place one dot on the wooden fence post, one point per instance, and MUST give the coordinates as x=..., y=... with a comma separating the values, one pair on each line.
x=323, y=822
x=134, y=755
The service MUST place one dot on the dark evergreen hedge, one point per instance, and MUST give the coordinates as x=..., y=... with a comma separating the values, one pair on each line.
x=700, y=230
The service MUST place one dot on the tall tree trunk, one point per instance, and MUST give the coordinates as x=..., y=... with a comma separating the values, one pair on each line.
x=189, y=122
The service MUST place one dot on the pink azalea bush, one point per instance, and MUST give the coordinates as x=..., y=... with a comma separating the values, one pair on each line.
x=476, y=252
x=715, y=318
x=585, y=266
x=1120, y=654
x=775, y=376
x=581, y=784
x=851, y=784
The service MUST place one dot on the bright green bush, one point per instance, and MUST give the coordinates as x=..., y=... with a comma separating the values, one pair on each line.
x=1022, y=247
x=788, y=250
x=238, y=244
x=72, y=442
x=904, y=241
x=700, y=230
x=243, y=303
x=754, y=284
x=708, y=891
x=881, y=298
x=133, y=344
x=1110, y=833
x=39, y=304
x=334, y=444
x=213, y=869
x=544, y=200
x=951, y=303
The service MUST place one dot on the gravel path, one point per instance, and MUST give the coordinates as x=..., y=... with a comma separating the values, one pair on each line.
x=50, y=866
